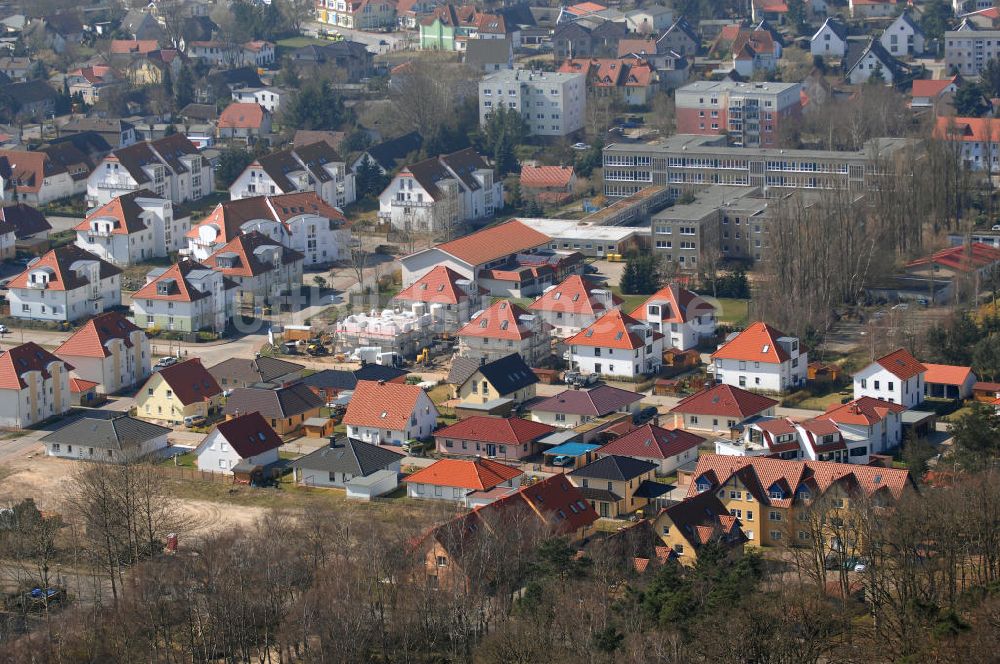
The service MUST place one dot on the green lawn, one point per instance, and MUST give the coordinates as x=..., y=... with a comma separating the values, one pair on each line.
x=299, y=42
x=630, y=302
x=733, y=311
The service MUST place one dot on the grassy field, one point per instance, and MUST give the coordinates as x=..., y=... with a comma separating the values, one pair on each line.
x=299, y=42
x=630, y=301
x=733, y=311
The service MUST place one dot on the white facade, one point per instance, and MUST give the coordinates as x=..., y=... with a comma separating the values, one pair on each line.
x=216, y=455
x=902, y=38
x=551, y=103
x=41, y=399
x=684, y=335
x=620, y=362
x=111, y=178
x=420, y=424
x=336, y=187
x=268, y=98
x=879, y=383
x=455, y=494
x=37, y=302
x=827, y=42
x=163, y=310
x=124, y=368
x=105, y=454
x=164, y=234
x=765, y=376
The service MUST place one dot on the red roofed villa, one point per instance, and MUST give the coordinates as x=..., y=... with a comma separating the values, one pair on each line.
x=109, y=351
x=504, y=438
x=761, y=358
x=502, y=329
x=667, y=448
x=34, y=386
x=573, y=304
x=683, y=316
x=469, y=482
x=617, y=345
x=721, y=408
x=244, y=121
x=446, y=295
x=384, y=413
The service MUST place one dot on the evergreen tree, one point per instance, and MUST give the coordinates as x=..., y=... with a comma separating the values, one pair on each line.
x=969, y=101
x=315, y=107
x=641, y=275
x=167, y=81
x=369, y=180
x=184, y=90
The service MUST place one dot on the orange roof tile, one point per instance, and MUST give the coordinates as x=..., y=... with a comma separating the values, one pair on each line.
x=124, y=210
x=240, y=115
x=967, y=129
x=726, y=401
x=864, y=411
x=440, y=286
x=79, y=385
x=573, y=296
x=962, y=259
x=141, y=46
x=92, y=339
x=382, y=405
x=681, y=305
x=495, y=242
x=499, y=321
x=541, y=177
x=932, y=87
x=901, y=364
x=582, y=8
x=181, y=291
x=19, y=360
x=758, y=343
x=478, y=474
x=500, y=430
x=613, y=330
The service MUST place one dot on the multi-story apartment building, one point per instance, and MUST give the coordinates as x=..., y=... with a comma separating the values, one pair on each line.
x=315, y=167
x=685, y=162
x=34, y=386
x=447, y=296
x=968, y=49
x=170, y=167
x=894, y=378
x=574, y=304
x=302, y=222
x=617, y=345
x=976, y=141
x=132, y=228
x=435, y=194
x=187, y=297
x=65, y=284
x=750, y=114
x=551, y=103
x=683, y=316
x=110, y=351
x=357, y=14
x=761, y=358
x=264, y=270
x=502, y=329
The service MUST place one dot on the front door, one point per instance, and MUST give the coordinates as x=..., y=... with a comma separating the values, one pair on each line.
x=597, y=368
x=491, y=450
x=604, y=510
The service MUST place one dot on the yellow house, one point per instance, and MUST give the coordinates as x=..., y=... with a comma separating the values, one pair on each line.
x=507, y=378
x=772, y=498
x=688, y=525
x=618, y=485
x=183, y=390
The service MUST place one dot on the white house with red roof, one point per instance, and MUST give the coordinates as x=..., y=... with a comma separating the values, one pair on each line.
x=301, y=221
x=187, y=297
x=263, y=269
x=868, y=426
x=948, y=381
x=110, y=351
x=683, y=316
x=926, y=93
x=239, y=443
x=761, y=358
x=573, y=304
x=466, y=481
x=617, y=345
x=817, y=439
x=245, y=121
x=447, y=296
x=132, y=228
x=896, y=378
x=721, y=408
x=632, y=80
x=65, y=284
x=502, y=329
x=34, y=386
x=667, y=448
x=493, y=437
x=384, y=413
x=548, y=184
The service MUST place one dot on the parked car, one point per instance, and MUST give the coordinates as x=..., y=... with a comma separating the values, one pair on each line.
x=165, y=362
x=194, y=420
x=645, y=415
x=4, y=330
x=570, y=377
x=562, y=460
x=581, y=146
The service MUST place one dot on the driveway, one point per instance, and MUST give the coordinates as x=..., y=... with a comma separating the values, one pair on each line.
x=377, y=42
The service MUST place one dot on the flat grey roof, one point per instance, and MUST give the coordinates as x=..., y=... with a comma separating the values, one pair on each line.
x=713, y=145
x=711, y=199
x=730, y=86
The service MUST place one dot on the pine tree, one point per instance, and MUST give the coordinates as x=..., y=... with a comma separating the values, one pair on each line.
x=184, y=90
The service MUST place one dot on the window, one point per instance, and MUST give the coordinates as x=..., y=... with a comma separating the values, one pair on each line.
x=442, y=561
x=774, y=516
x=776, y=535
x=749, y=515
x=679, y=549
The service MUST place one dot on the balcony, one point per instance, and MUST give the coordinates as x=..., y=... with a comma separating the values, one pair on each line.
x=91, y=235
x=115, y=183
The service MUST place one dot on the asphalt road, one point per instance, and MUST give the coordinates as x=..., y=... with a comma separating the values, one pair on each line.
x=377, y=42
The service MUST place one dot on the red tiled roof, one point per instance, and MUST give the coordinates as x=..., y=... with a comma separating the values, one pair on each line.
x=652, y=442
x=141, y=46
x=249, y=262
x=17, y=361
x=931, y=87
x=500, y=321
x=757, y=343
x=27, y=169
x=249, y=434
x=59, y=263
x=181, y=291
x=495, y=242
x=500, y=430
x=725, y=401
x=478, y=474
x=229, y=216
x=240, y=115
x=573, y=296
x=864, y=411
x=610, y=72
x=612, y=330
x=92, y=339
x=963, y=259
x=79, y=385
x=901, y=364
x=636, y=46
x=124, y=210
x=683, y=305
x=541, y=177
x=984, y=386
x=967, y=129
x=439, y=286
x=190, y=381
x=382, y=405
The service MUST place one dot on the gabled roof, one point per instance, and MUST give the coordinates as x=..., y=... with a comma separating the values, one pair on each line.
x=278, y=403
x=349, y=456
x=340, y=379
x=502, y=320
x=18, y=360
x=682, y=25
x=652, y=442
x=190, y=381
x=92, y=339
x=249, y=435
x=240, y=115
x=933, y=87
x=261, y=369
x=27, y=221
x=596, y=402
x=677, y=305
x=490, y=244
x=757, y=343
x=59, y=264
x=124, y=210
x=460, y=165
x=119, y=433
x=508, y=374
x=477, y=474
x=946, y=374
x=383, y=405
x=541, y=177
x=28, y=170
x=856, y=53
x=614, y=467
x=130, y=46
x=614, y=330
x=962, y=259
x=247, y=260
x=835, y=26
x=499, y=430
x=611, y=72
x=389, y=153
x=179, y=277
x=228, y=217
x=901, y=364
x=439, y=286
x=702, y=517
x=725, y=401
x=864, y=411
x=573, y=296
